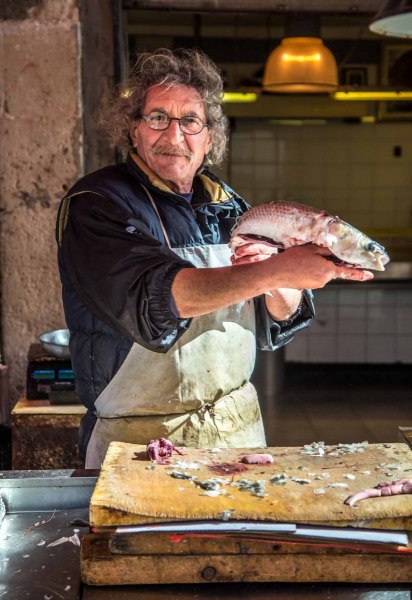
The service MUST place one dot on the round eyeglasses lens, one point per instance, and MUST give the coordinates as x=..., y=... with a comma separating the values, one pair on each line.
x=157, y=121
x=191, y=125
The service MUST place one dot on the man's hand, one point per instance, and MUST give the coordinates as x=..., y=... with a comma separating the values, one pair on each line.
x=307, y=267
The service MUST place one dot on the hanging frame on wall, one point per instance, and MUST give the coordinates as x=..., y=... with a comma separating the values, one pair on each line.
x=392, y=54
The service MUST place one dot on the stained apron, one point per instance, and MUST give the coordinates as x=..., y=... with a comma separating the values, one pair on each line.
x=198, y=393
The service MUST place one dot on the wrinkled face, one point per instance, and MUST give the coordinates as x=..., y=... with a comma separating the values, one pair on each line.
x=173, y=155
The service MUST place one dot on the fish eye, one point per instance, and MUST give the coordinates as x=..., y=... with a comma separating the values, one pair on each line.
x=371, y=247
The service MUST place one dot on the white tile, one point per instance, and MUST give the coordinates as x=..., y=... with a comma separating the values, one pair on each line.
x=242, y=176
x=403, y=209
x=361, y=176
x=362, y=132
x=361, y=219
x=403, y=320
x=404, y=297
x=338, y=199
x=383, y=219
x=352, y=294
x=322, y=349
x=315, y=133
x=381, y=320
x=393, y=131
x=325, y=320
x=336, y=176
x=265, y=151
x=392, y=175
x=363, y=152
x=354, y=312
x=289, y=194
x=297, y=349
x=351, y=326
x=289, y=175
x=264, y=195
x=263, y=134
x=382, y=199
x=384, y=153
x=380, y=349
x=265, y=175
x=313, y=176
x=351, y=348
x=337, y=152
x=315, y=197
x=279, y=193
x=402, y=218
x=242, y=132
x=403, y=352
x=242, y=150
x=313, y=154
x=381, y=297
x=289, y=133
x=360, y=199
x=403, y=195
x=326, y=296
x=289, y=152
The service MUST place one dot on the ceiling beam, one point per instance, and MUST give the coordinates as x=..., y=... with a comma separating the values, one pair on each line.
x=269, y=6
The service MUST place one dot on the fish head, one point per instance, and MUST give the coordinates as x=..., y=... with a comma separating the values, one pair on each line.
x=355, y=248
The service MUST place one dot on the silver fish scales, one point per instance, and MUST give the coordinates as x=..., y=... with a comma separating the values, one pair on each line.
x=280, y=225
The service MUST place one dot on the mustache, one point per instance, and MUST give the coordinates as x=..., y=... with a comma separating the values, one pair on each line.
x=169, y=150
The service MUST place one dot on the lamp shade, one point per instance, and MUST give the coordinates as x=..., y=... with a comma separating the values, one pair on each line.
x=300, y=65
x=394, y=19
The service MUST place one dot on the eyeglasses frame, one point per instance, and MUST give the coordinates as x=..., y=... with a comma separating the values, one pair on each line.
x=170, y=119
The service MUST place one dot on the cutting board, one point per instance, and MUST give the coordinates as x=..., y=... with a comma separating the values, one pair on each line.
x=132, y=490
x=251, y=562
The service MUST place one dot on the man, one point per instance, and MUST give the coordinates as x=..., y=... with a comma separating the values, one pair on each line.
x=163, y=327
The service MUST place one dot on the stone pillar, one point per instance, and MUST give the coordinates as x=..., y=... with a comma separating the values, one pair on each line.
x=42, y=153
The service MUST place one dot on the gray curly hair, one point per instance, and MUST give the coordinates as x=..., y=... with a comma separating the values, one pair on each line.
x=179, y=67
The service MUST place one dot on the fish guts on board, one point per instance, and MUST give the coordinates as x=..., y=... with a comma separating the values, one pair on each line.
x=267, y=228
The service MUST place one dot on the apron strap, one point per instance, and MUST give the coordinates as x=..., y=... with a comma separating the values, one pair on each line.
x=148, y=194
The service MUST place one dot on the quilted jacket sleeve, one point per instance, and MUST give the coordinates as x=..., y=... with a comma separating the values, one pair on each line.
x=270, y=334
x=120, y=270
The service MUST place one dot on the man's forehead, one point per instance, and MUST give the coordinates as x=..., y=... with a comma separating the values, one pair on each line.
x=167, y=96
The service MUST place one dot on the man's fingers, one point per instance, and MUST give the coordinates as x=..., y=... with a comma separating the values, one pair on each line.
x=354, y=274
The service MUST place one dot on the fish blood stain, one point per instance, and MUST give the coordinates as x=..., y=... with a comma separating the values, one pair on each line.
x=228, y=468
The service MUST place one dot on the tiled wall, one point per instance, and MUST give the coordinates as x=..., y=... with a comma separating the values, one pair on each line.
x=350, y=170
x=357, y=323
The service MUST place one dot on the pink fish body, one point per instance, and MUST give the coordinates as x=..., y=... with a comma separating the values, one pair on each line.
x=257, y=459
x=267, y=227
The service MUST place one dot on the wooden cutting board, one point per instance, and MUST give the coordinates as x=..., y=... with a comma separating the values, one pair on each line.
x=131, y=490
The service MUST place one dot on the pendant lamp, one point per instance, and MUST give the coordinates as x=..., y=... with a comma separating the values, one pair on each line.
x=301, y=63
x=394, y=19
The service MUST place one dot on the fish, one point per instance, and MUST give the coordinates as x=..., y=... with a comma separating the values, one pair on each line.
x=268, y=228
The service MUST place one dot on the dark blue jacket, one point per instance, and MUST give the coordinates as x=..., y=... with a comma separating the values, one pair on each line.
x=117, y=270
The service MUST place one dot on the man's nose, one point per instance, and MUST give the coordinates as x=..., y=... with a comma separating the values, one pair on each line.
x=173, y=132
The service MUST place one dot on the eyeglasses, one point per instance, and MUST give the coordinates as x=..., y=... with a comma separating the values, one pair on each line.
x=159, y=122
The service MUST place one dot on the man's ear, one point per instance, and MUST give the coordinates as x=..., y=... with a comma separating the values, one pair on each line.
x=132, y=131
x=209, y=142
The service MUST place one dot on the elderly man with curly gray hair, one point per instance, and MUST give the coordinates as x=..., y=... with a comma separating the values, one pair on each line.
x=163, y=326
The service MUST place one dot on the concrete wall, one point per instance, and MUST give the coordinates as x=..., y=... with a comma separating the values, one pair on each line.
x=42, y=153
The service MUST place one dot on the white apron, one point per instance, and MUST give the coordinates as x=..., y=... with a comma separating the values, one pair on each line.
x=198, y=393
